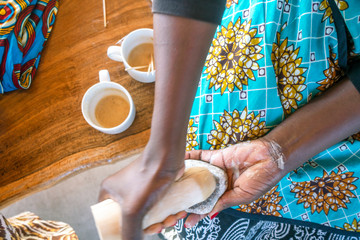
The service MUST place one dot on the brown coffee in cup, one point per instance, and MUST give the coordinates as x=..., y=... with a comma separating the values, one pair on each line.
x=141, y=55
x=111, y=111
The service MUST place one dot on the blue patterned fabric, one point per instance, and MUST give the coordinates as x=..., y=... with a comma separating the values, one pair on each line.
x=25, y=25
x=267, y=59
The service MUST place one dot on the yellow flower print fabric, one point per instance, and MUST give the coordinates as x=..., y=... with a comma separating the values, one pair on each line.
x=289, y=73
x=233, y=56
x=331, y=191
x=353, y=226
x=268, y=204
x=191, y=136
x=268, y=59
x=332, y=74
x=236, y=127
x=325, y=6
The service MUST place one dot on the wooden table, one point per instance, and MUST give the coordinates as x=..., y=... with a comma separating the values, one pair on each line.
x=43, y=135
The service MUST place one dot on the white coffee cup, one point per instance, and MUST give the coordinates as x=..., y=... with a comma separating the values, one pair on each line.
x=97, y=92
x=129, y=42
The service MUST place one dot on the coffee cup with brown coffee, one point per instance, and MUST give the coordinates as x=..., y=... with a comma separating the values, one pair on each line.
x=107, y=106
x=136, y=51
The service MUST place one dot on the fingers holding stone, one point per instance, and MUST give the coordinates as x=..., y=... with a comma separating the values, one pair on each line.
x=168, y=222
x=154, y=229
x=193, y=219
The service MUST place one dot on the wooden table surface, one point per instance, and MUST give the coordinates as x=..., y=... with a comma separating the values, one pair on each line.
x=43, y=135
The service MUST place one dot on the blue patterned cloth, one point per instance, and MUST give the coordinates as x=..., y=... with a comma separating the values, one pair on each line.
x=25, y=25
x=267, y=59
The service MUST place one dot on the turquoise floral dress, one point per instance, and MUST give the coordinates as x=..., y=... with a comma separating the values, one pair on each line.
x=267, y=59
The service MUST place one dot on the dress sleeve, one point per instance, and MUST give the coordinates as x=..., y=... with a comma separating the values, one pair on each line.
x=347, y=25
x=203, y=10
x=354, y=74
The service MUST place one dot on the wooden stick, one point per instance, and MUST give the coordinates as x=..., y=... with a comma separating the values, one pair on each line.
x=129, y=68
x=149, y=70
x=151, y=66
x=104, y=10
x=152, y=63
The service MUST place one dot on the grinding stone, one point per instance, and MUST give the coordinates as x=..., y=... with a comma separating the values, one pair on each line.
x=221, y=184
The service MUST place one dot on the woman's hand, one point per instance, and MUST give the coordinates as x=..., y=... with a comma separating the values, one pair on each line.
x=137, y=187
x=253, y=168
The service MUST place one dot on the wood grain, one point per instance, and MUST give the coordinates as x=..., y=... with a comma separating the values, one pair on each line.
x=43, y=134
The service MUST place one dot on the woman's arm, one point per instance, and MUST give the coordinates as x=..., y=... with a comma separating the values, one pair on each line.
x=320, y=124
x=181, y=46
x=328, y=119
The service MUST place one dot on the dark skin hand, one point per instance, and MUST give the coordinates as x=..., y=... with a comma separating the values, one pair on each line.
x=252, y=167
x=138, y=186
x=251, y=170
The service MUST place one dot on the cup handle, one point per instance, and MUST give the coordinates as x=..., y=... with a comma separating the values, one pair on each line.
x=114, y=53
x=104, y=76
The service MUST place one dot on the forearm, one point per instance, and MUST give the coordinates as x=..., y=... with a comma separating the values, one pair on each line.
x=181, y=46
x=318, y=125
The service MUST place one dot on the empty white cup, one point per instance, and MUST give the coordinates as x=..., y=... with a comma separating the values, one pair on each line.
x=129, y=42
x=97, y=92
